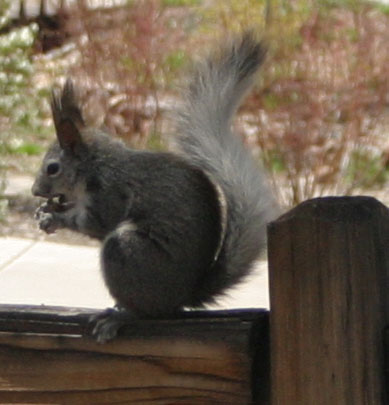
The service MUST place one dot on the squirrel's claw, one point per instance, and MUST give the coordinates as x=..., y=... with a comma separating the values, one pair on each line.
x=108, y=323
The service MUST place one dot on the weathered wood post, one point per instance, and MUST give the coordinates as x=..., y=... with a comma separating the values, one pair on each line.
x=329, y=294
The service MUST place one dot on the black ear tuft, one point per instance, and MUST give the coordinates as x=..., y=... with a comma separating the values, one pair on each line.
x=67, y=117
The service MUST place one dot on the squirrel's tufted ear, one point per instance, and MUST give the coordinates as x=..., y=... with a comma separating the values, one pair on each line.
x=67, y=117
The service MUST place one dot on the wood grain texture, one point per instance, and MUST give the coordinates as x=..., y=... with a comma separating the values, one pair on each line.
x=203, y=358
x=329, y=283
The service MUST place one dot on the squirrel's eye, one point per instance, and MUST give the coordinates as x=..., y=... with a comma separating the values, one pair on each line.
x=52, y=168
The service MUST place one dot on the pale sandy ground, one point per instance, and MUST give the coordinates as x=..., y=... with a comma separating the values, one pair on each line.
x=40, y=272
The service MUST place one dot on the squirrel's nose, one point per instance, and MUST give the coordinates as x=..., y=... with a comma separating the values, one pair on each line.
x=37, y=191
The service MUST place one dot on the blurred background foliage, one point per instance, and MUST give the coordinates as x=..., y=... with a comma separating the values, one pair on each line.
x=18, y=111
x=318, y=118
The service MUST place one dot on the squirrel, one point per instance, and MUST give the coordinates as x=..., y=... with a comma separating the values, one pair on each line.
x=177, y=229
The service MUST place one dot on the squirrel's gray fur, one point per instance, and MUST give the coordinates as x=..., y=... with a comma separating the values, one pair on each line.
x=205, y=137
x=176, y=230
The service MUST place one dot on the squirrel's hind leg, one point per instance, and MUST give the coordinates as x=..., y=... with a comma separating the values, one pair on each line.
x=142, y=276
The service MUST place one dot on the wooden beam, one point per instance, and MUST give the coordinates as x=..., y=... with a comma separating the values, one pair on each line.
x=46, y=356
x=329, y=283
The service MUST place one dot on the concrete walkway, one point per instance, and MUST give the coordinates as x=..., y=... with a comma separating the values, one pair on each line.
x=36, y=272
x=49, y=273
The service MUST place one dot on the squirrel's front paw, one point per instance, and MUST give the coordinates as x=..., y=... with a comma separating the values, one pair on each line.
x=46, y=218
x=47, y=222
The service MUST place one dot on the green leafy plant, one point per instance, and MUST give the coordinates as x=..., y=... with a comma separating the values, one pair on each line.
x=21, y=114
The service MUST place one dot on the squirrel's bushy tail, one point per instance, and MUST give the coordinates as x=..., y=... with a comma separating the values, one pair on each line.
x=205, y=137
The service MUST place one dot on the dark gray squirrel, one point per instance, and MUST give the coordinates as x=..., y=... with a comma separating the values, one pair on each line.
x=177, y=229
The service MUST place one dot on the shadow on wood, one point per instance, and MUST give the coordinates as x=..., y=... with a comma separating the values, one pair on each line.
x=204, y=358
